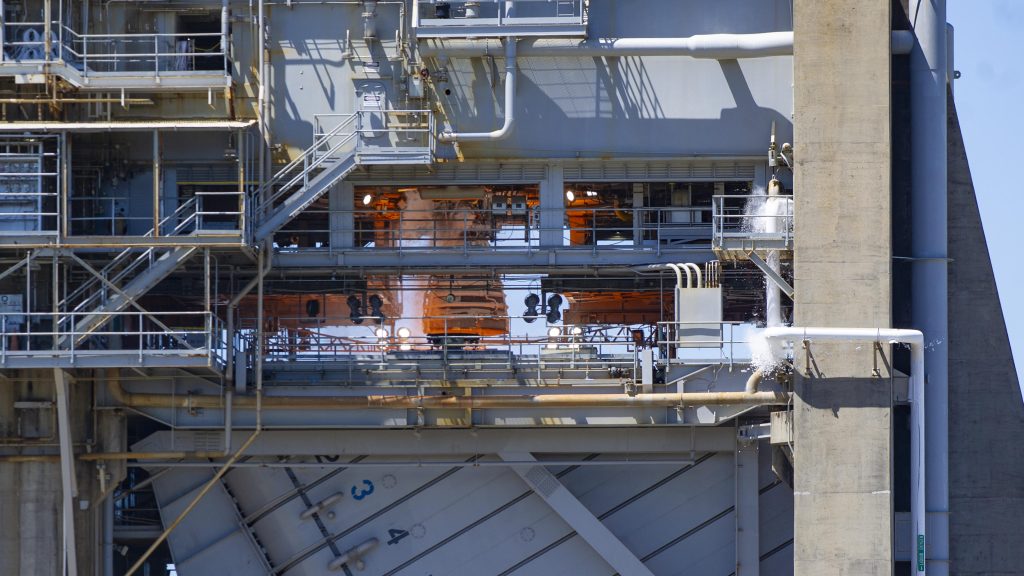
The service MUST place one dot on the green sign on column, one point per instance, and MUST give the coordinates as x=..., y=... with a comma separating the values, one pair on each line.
x=920, y=552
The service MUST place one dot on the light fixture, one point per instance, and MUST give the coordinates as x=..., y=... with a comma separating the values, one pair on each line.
x=367, y=199
x=554, y=332
x=531, y=314
x=404, y=333
x=576, y=330
x=569, y=195
x=405, y=347
x=551, y=346
x=591, y=193
x=381, y=333
x=554, y=303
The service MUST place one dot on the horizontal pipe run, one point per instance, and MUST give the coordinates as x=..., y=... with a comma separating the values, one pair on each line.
x=102, y=456
x=706, y=46
x=22, y=458
x=129, y=101
x=124, y=126
x=456, y=402
x=428, y=463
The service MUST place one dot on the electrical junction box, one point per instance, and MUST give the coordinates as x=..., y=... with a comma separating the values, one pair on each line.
x=699, y=313
x=781, y=428
x=414, y=86
x=514, y=205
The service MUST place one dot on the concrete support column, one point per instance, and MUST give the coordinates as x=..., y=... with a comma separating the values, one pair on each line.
x=341, y=201
x=842, y=269
x=552, y=207
x=748, y=549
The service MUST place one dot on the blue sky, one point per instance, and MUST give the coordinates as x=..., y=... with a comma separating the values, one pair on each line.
x=990, y=100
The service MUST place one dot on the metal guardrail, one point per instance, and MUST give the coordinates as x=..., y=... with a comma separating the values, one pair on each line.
x=536, y=348
x=339, y=136
x=380, y=131
x=32, y=334
x=148, y=53
x=89, y=295
x=495, y=17
x=748, y=221
x=191, y=217
x=296, y=174
x=29, y=184
x=497, y=229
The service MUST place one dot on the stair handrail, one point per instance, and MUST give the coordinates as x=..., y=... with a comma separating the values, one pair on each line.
x=125, y=255
x=303, y=159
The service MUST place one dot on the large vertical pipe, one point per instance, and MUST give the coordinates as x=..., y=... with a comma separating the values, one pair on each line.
x=108, y=536
x=261, y=99
x=224, y=19
x=929, y=221
x=156, y=183
x=67, y=473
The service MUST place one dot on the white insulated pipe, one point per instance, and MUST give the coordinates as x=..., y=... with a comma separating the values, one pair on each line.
x=696, y=270
x=510, y=104
x=706, y=46
x=714, y=46
x=919, y=468
x=929, y=252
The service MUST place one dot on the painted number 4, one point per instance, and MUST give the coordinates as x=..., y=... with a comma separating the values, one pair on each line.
x=396, y=535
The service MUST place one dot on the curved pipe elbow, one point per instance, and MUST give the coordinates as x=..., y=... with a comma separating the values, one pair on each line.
x=499, y=134
x=754, y=382
x=510, y=106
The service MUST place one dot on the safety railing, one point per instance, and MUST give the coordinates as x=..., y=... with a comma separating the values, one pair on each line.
x=401, y=348
x=137, y=334
x=89, y=295
x=29, y=184
x=382, y=226
x=453, y=18
x=389, y=133
x=294, y=176
x=752, y=222
x=373, y=137
x=469, y=343
x=203, y=213
x=689, y=341
x=142, y=53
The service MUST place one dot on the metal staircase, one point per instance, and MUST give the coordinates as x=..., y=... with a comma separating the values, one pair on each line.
x=304, y=179
x=93, y=303
x=362, y=138
x=128, y=276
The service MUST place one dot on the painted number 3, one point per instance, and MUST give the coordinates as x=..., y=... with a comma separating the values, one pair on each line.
x=360, y=493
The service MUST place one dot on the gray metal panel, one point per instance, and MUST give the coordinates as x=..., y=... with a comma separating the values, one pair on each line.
x=210, y=540
x=657, y=106
x=485, y=520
